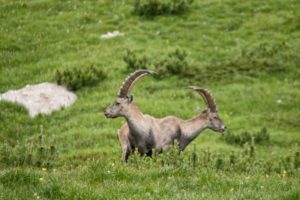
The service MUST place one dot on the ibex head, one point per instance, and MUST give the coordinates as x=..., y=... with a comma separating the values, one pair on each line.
x=123, y=101
x=214, y=121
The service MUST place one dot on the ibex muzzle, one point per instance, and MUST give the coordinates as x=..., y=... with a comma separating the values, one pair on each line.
x=216, y=123
x=119, y=108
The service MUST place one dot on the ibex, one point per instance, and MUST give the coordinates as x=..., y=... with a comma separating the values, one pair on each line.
x=147, y=133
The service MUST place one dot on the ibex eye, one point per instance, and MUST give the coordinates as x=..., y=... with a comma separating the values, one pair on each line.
x=117, y=104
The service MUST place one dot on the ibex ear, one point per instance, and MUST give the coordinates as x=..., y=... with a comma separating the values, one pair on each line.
x=130, y=98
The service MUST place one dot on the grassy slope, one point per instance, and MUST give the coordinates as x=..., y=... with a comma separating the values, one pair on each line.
x=38, y=37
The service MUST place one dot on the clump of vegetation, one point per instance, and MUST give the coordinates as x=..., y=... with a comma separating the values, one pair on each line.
x=175, y=63
x=239, y=161
x=261, y=137
x=160, y=7
x=37, y=152
x=297, y=159
x=77, y=78
x=134, y=62
x=264, y=58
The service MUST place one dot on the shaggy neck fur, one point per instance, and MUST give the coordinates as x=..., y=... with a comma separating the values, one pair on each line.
x=190, y=129
x=135, y=120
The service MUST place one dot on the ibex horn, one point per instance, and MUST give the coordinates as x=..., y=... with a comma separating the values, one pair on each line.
x=207, y=97
x=129, y=82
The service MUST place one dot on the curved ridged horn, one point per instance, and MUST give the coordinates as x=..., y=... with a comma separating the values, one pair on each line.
x=129, y=82
x=207, y=97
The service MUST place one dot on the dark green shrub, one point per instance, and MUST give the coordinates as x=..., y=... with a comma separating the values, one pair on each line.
x=232, y=158
x=261, y=137
x=133, y=62
x=243, y=160
x=297, y=160
x=219, y=162
x=77, y=78
x=160, y=7
x=231, y=138
x=264, y=58
x=174, y=64
x=245, y=137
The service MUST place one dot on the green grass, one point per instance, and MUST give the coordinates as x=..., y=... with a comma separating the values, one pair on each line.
x=245, y=52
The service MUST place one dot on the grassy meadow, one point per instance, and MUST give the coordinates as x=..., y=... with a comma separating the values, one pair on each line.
x=247, y=53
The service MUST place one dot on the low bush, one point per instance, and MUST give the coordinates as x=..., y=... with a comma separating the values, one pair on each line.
x=244, y=160
x=261, y=137
x=175, y=63
x=134, y=62
x=264, y=58
x=76, y=78
x=160, y=7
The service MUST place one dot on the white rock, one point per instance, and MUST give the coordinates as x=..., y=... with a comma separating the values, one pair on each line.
x=41, y=98
x=109, y=35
